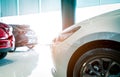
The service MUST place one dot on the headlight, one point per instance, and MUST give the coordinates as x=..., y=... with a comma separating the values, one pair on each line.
x=66, y=33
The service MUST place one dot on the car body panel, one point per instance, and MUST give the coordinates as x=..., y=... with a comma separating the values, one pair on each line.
x=6, y=37
x=102, y=27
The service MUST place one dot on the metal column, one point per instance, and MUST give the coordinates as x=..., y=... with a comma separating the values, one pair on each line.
x=68, y=12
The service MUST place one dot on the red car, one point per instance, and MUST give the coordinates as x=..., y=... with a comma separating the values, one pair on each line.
x=6, y=40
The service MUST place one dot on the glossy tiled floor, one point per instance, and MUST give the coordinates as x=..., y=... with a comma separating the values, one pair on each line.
x=33, y=63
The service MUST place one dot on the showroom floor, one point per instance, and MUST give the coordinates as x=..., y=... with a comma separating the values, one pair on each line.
x=27, y=63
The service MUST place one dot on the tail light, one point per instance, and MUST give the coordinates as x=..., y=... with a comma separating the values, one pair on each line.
x=3, y=34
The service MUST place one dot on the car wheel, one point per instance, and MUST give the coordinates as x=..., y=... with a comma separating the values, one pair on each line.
x=96, y=59
x=100, y=62
x=2, y=54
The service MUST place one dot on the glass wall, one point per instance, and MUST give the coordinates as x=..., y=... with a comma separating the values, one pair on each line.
x=50, y=5
x=22, y=7
x=86, y=3
x=8, y=7
x=28, y=7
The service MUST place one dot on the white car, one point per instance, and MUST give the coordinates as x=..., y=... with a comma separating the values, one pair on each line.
x=90, y=48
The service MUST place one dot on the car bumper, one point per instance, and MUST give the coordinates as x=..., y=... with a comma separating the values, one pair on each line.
x=5, y=49
x=5, y=44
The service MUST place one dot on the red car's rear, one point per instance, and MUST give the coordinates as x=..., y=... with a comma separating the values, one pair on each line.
x=6, y=39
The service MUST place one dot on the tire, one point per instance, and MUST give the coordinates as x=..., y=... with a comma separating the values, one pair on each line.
x=98, y=58
x=2, y=54
x=99, y=62
x=13, y=50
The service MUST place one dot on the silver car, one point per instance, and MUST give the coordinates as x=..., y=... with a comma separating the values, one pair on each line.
x=24, y=36
x=90, y=48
